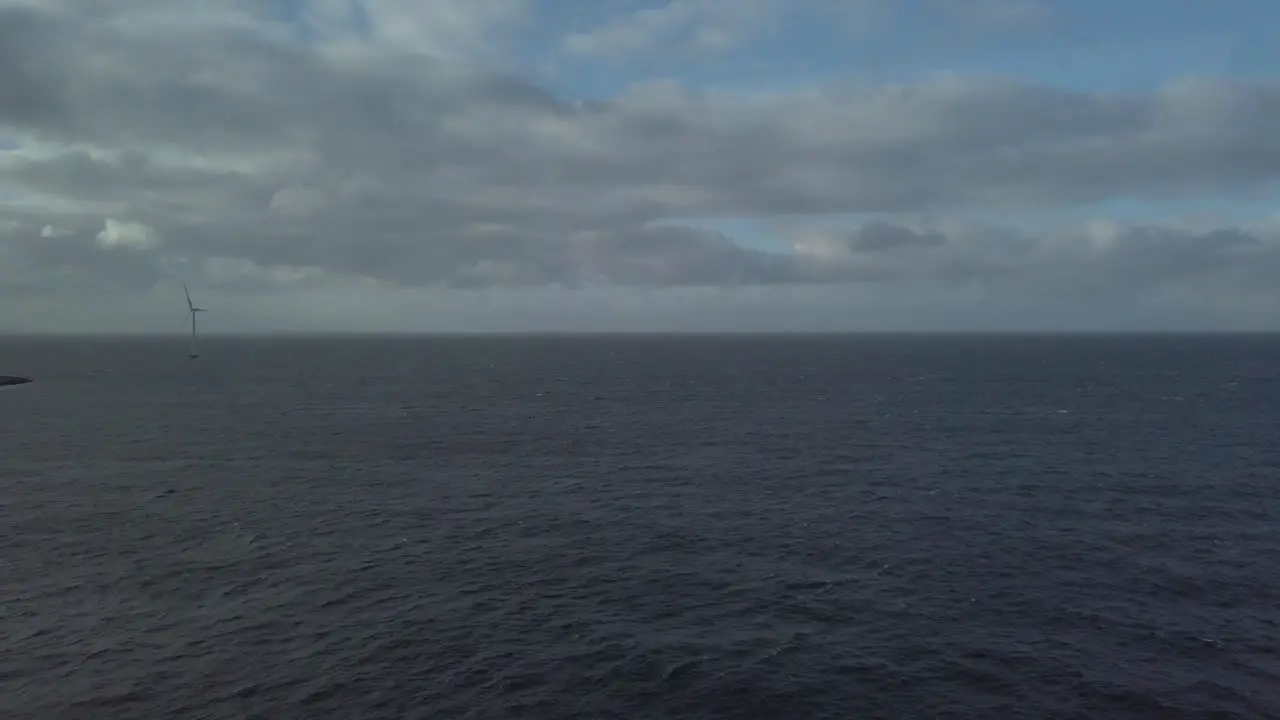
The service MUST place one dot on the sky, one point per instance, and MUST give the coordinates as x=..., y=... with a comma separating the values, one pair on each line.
x=639, y=165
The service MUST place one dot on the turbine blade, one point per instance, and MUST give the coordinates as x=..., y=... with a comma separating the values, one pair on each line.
x=188, y=294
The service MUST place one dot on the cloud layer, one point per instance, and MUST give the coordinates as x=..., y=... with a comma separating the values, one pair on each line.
x=311, y=153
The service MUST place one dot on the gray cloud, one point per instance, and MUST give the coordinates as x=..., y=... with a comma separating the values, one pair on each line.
x=877, y=236
x=255, y=162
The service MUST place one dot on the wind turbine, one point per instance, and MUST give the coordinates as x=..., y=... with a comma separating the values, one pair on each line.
x=191, y=312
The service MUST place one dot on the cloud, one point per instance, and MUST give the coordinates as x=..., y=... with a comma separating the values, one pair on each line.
x=450, y=29
x=388, y=149
x=127, y=235
x=700, y=29
x=873, y=237
x=704, y=26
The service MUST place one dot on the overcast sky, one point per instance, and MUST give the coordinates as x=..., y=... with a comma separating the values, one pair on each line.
x=446, y=165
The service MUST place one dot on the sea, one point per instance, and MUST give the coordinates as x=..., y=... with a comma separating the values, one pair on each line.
x=719, y=526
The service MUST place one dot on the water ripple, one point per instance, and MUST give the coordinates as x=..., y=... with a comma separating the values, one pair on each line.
x=642, y=528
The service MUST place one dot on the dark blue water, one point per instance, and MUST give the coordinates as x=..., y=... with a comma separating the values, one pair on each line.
x=733, y=527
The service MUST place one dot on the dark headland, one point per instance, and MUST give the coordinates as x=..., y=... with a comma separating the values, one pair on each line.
x=13, y=380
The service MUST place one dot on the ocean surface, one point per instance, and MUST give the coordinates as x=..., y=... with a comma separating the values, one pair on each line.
x=641, y=527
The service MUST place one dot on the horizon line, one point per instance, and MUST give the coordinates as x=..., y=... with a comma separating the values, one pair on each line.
x=270, y=334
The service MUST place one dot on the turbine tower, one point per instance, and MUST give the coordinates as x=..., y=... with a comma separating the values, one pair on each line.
x=191, y=313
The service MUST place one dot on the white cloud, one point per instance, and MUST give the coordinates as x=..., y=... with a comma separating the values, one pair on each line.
x=128, y=235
